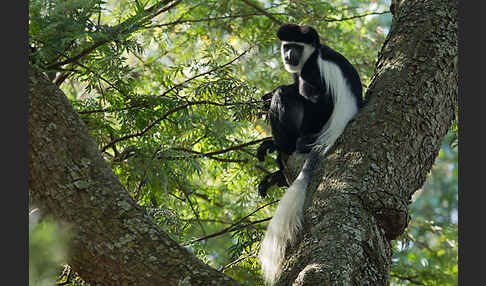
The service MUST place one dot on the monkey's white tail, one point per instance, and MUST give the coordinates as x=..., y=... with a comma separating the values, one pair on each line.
x=287, y=219
x=285, y=223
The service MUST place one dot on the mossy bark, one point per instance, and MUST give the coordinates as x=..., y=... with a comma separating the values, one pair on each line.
x=114, y=241
x=358, y=201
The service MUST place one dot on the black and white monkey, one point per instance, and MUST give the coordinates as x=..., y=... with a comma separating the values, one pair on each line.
x=306, y=117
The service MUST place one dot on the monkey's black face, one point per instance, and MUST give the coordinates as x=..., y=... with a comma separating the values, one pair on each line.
x=295, y=54
x=292, y=53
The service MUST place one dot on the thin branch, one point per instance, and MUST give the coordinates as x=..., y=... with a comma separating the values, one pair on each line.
x=167, y=91
x=156, y=6
x=206, y=73
x=68, y=72
x=237, y=261
x=211, y=155
x=116, y=30
x=329, y=19
x=237, y=147
x=145, y=104
x=102, y=78
x=178, y=198
x=196, y=214
x=153, y=123
x=236, y=225
x=61, y=78
x=261, y=10
x=205, y=197
x=263, y=169
x=165, y=9
x=177, y=22
x=78, y=56
x=230, y=229
x=200, y=154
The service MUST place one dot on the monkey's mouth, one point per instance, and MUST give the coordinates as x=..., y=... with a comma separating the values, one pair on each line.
x=293, y=61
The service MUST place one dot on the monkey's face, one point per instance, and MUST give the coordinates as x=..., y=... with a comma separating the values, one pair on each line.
x=295, y=54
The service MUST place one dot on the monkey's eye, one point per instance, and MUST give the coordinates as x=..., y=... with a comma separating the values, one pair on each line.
x=295, y=47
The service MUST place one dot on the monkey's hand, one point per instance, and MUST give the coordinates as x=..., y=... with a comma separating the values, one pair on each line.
x=275, y=178
x=267, y=146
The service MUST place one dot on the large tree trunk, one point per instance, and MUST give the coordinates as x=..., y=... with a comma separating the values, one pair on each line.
x=359, y=201
x=115, y=242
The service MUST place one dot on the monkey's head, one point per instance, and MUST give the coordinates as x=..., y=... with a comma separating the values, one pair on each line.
x=298, y=44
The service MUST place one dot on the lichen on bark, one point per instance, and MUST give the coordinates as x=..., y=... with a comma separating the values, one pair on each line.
x=358, y=200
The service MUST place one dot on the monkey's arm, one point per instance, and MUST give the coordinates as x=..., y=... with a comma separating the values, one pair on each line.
x=267, y=146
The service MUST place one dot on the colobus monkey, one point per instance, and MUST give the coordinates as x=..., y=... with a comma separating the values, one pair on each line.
x=295, y=122
x=306, y=117
x=285, y=112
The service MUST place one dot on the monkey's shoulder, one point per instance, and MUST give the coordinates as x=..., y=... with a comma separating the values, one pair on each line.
x=328, y=54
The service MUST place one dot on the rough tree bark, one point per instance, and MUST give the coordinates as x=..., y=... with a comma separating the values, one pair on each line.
x=357, y=202
x=114, y=241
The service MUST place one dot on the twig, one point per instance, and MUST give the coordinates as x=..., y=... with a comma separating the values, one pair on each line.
x=205, y=73
x=115, y=32
x=209, y=19
x=196, y=214
x=234, y=227
x=237, y=147
x=237, y=261
x=328, y=19
x=212, y=154
x=200, y=154
x=148, y=127
x=61, y=78
x=261, y=10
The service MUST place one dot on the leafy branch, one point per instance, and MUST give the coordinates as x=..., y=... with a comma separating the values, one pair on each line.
x=209, y=19
x=181, y=107
x=211, y=155
x=261, y=10
x=237, y=225
x=127, y=27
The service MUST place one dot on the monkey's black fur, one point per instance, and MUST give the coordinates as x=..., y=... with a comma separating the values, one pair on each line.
x=298, y=112
x=296, y=33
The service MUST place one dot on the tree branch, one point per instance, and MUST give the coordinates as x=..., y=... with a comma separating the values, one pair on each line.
x=330, y=19
x=70, y=180
x=124, y=27
x=196, y=213
x=261, y=10
x=180, y=21
x=158, y=120
x=357, y=201
x=199, y=154
x=237, y=225
x=237, y=261
x=211, y=155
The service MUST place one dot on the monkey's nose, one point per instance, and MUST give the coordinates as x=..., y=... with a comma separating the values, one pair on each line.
x=291, y=60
